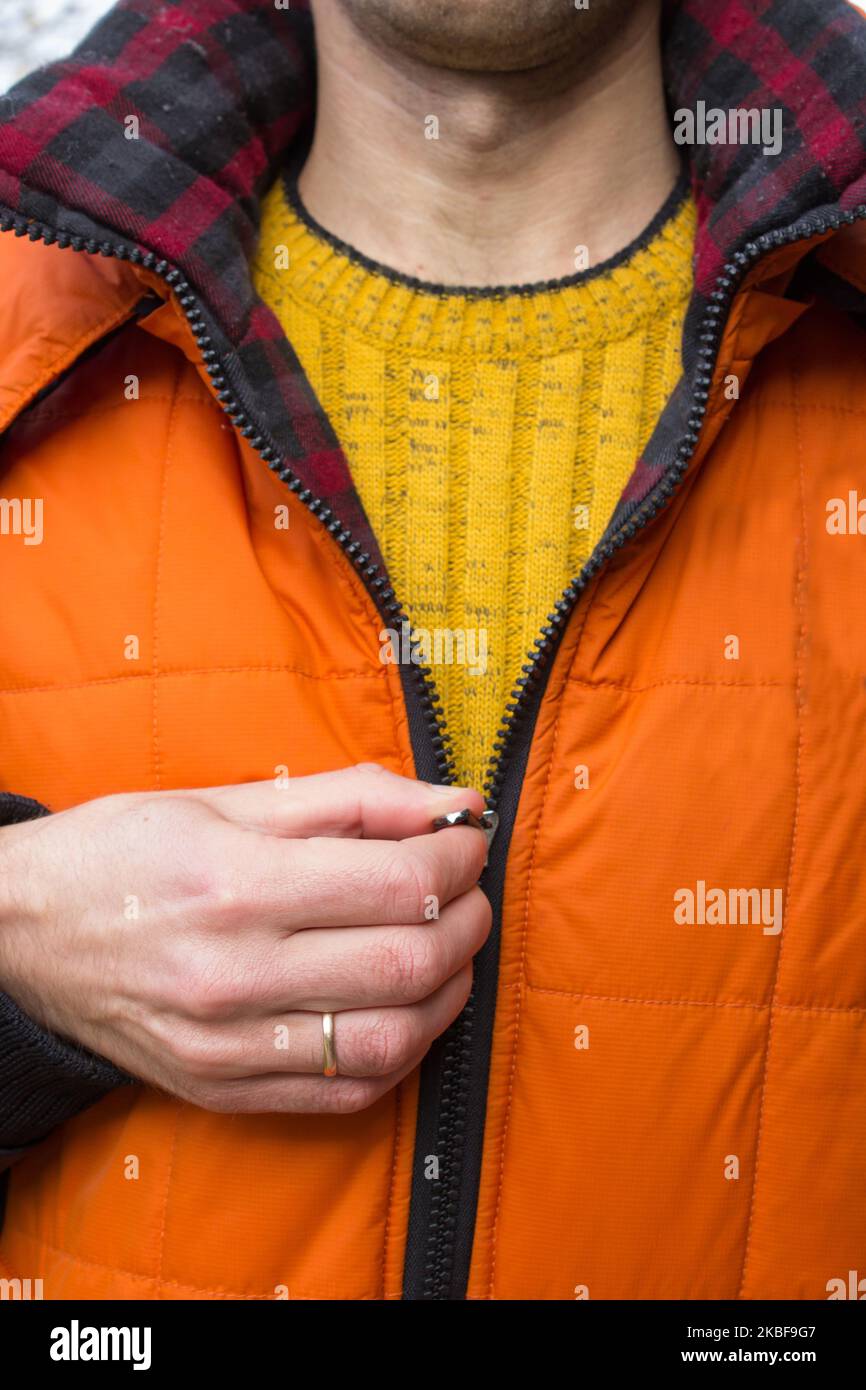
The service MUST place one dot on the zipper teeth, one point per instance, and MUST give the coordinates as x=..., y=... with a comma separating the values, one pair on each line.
x=453, y=1113
x=376, y=584
x=456, y=1066
x=545, y=644
x=383, y=595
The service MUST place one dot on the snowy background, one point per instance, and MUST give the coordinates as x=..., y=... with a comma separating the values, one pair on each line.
x=33, y=32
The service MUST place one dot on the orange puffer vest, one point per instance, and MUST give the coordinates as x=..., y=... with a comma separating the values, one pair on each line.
x=659, y=1087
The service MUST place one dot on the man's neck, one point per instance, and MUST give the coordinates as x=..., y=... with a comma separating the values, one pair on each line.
x=467, y=178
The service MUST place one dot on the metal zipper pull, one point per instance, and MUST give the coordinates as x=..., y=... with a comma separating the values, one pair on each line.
x=488, y=821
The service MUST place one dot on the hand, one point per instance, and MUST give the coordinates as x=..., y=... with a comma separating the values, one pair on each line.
x=195, y=937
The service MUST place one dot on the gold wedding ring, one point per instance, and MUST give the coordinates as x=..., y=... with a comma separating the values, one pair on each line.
x=329, y=1046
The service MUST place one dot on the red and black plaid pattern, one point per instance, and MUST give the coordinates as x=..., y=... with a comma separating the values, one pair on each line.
x=223, y=91
x=806, y=58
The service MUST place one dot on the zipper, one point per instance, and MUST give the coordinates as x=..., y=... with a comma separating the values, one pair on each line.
x=455, y=1073
x=441, y=1224
x=418, y=677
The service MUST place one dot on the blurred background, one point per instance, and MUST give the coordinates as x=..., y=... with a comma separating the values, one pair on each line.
x=33, y=32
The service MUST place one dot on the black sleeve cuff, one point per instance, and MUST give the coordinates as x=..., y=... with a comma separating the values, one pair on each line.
x=44, y=1080
x=15, y=809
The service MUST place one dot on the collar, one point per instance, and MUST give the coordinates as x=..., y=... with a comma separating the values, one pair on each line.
x=166, y=126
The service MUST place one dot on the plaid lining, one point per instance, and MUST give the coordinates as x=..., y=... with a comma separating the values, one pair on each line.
x=224, y=94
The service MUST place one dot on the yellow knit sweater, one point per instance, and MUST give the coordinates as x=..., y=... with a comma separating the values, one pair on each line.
x=489, y=435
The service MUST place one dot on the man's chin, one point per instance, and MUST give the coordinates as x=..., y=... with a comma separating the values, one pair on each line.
x=494, y=37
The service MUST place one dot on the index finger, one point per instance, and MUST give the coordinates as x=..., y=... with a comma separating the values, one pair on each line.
x=325, y=882
x=365, y=801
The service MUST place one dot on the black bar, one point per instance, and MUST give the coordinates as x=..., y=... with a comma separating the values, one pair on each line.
x=250, y=1339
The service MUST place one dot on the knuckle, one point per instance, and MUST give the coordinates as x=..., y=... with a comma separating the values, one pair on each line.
x=223, y=898
x=406, y=886
x=410, y=965
x=353, y=1096
x=384, y=1043
x=482, y=912
x=195, y=1054
x=473, y=854
x=212, y=992
x=348, y=1096
x=479, y=859
x=219, y=1100
x=205, y=886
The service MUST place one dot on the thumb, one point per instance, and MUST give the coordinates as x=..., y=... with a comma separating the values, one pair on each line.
x=365, y=801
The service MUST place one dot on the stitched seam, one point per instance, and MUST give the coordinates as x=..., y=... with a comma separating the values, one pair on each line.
x=392, y=1184
x=58, y=364
x=810, y=407
x=800, y=600
x=820, y=1010
x=168, y=1177
x=519, y=984
x=219, y=1291
x=167, y=671
x=658, y=1003
x=155, y=628
x=817, y=1009
x=43, y=416
x=679, y=680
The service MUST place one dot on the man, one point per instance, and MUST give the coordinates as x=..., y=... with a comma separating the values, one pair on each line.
x=459, y=353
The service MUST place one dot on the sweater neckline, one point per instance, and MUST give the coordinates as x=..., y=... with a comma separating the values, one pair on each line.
x=604, y=303
x=668, y=210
